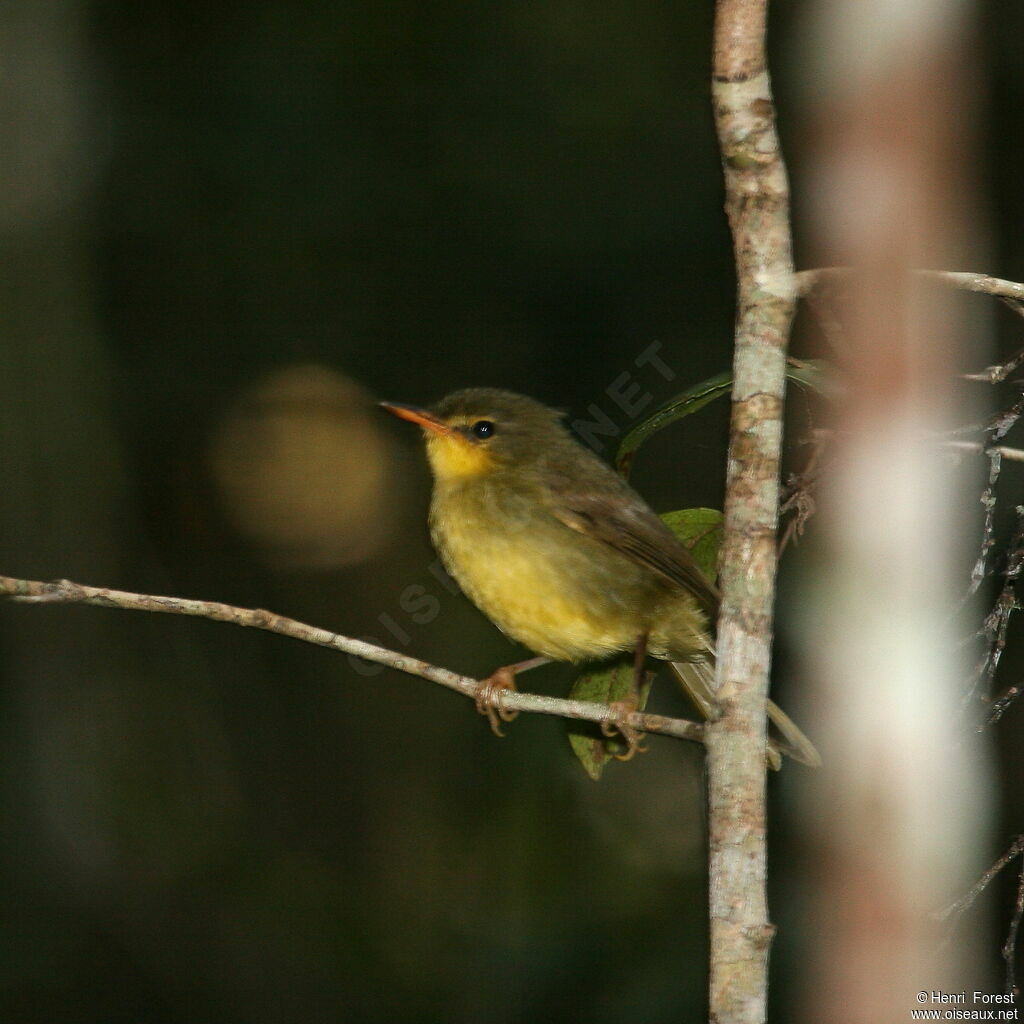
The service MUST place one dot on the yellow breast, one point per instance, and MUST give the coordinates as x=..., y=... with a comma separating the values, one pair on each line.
x=527, y=579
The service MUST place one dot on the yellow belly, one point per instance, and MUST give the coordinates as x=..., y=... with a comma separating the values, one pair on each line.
x=527, y=597
x=562, y=594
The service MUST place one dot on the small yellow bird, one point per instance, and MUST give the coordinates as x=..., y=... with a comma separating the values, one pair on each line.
x=561, y=553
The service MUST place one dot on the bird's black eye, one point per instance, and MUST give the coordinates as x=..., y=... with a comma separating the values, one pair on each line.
x=482, y=429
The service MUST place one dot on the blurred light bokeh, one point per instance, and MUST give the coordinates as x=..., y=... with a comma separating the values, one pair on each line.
x=302, y=465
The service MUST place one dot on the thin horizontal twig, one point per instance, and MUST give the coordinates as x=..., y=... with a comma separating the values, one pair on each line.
x=966, y=447
x=67, y=592
x=996, y=374
x=977, y=448
x=1011, y=292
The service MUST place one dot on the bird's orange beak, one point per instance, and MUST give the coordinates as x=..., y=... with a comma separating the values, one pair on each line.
x=421, y=417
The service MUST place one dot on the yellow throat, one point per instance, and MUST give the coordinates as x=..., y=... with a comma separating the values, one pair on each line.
x=453, y=456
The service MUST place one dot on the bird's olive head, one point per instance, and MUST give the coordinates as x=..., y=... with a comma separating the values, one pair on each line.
x=483, y=430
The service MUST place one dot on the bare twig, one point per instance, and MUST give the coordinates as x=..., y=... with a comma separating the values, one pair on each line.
x=1010, y=292
x=798, y=495
x=988, y=535
x=1009, y=950
x=1004, y=700
x=1003, y=422
x=66, y=592
x=965, y=902
x=997, y=374
x=955, y=910
x=799, y=502
x=997, y=622
x=977, y=448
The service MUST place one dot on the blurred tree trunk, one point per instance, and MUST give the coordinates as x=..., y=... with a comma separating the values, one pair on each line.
x=897, y=818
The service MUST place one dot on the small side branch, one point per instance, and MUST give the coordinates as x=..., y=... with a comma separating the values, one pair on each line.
x=953, y=912
x=1010, y=292
x=977, y=448
x=997, y=623
x=67, y=592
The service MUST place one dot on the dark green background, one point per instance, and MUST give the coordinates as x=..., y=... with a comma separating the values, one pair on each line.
x=205, y=824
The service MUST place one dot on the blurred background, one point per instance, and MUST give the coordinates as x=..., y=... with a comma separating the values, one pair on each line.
x=227, y=229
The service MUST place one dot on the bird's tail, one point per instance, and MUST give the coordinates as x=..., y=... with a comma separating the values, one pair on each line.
x=697, y=679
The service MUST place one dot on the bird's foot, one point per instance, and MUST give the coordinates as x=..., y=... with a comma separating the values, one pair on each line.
x=615, y=725
x=489, y=697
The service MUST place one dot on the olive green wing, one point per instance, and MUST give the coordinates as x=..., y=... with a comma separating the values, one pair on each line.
x=620, y=518
x=617, y=516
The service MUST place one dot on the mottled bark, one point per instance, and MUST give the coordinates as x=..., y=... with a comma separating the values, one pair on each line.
x=757, y=203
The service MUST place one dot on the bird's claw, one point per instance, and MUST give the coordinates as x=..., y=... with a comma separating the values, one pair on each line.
x=488, y=698
x=614, y=725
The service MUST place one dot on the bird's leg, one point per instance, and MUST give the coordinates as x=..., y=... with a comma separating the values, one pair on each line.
x=488, y=694
x=618, y=710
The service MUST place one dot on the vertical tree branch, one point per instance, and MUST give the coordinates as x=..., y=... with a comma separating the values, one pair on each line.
x=757, y=203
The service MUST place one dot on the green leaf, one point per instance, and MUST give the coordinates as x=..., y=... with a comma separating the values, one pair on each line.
x=815, y=374
x=608, y=682
x=700, y=530
x=682, y=405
